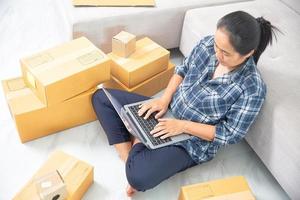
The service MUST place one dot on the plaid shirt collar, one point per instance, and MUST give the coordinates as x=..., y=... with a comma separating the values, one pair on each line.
x=230, y=76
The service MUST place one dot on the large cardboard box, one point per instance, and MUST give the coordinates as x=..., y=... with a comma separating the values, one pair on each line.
x=33, y=119
x=148, y=59
x=233, y=188
x=64, y=71
x=147, y=88
x=123, y=44
x=114, y=3
x=77, y=175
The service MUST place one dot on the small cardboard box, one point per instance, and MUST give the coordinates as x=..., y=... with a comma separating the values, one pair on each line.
x=233, y=188
x=65, y=71
x=123, y=44
x=147, y=88
x=114, y=3
x=148, y=59
x=51, y=186
x=77, y=175
x=34, y=120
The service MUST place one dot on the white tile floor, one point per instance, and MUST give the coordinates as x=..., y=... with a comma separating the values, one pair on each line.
x=31, y=25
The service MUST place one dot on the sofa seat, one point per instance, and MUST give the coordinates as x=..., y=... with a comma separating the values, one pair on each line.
x=161, y=23
x=274, y=136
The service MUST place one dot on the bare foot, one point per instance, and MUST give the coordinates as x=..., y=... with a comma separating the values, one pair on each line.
x=130, y=191
x=123, y=150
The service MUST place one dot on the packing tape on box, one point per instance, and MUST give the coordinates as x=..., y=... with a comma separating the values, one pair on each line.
x=82, y=54
x=77, y=166
x=40, y=59
x=19, y=93
x=245, y=195
x=15, y=84
x=67, y=167
x=137, y=54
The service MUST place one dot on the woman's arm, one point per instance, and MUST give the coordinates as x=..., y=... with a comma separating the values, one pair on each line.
x=203, y=131
x=172, y=86
x=160, y=105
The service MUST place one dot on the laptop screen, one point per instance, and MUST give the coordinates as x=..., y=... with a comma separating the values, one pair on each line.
x=113, y=101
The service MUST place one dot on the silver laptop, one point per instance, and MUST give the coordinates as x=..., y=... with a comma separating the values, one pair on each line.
x=139, y=127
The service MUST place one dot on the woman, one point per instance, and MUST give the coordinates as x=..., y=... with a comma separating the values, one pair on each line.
x=215, y=96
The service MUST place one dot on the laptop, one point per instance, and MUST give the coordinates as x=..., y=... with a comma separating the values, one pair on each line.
x=139, y=127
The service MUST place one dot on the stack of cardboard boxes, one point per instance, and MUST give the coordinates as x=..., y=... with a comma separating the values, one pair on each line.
x=141, y=67
x=56, y=88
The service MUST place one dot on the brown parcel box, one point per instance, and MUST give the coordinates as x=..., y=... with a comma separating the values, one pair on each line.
x=64, y=71
x=147, y=88
x=33, y=119
x=113, y=2
x=123, y=44
x=148, y=59
x=77, y=175
x=233, y=188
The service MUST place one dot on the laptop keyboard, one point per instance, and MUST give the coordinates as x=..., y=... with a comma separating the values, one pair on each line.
x=148, y=125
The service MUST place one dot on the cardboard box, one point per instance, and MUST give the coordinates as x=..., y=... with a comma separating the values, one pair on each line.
x=233, y=188
x=147, y=88
x=64, y=71
x=33, y=119
x=51, y=186
x=123, y=44
x=148, y=59
x=78, y=176
x=114, y=3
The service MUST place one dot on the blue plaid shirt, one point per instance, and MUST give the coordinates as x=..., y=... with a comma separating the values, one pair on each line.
x=230, y=102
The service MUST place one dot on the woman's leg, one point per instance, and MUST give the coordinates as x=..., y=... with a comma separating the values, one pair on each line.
x=113, y=126
x=146, y=168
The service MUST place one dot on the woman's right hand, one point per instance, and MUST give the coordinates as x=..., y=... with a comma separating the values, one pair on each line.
x=156, y=105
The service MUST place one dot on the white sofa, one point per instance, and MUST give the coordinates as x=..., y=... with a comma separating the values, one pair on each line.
x=274, y=136
x=161, y=23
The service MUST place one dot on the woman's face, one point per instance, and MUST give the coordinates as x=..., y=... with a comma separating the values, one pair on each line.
x=225, y=53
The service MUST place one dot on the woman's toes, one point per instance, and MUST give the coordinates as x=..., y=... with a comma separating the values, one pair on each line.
x=130, y=191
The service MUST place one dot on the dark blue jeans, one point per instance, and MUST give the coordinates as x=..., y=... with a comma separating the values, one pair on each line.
x=145, y=168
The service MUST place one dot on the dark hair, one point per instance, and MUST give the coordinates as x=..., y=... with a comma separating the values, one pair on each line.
x=247, y=33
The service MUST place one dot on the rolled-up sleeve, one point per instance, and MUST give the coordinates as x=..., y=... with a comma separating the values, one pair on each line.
x=238, y=120
x=198, y=50
x=182, y=69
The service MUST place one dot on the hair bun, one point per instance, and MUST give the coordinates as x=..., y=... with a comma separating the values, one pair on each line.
x=263, y=21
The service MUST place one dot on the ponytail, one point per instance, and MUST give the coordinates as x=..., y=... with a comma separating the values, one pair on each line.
x=267, y=31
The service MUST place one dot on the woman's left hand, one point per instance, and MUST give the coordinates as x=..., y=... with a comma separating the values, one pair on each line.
x=168, y=127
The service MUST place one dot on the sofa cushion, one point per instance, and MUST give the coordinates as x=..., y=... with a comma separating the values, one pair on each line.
x=293, y=4
x=274, y=136
x=161, y=23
